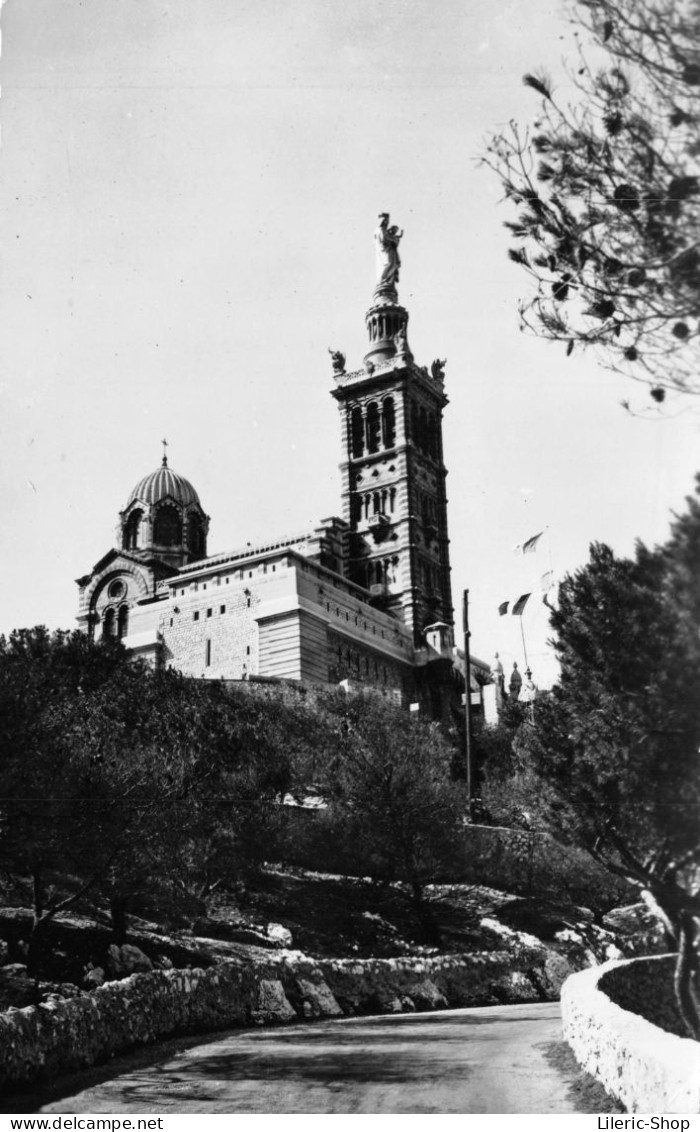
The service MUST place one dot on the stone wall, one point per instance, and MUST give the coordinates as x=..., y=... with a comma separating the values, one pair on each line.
x=645, y=1067
x=646, y=988
x=63, y=1035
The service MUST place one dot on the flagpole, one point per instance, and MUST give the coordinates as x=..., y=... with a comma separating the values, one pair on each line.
x=467, y=703
x=522, y=634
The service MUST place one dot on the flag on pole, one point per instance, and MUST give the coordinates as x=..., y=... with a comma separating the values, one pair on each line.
x=547, y=581
x=529, y=546
x=503, y=607
x=520, y=604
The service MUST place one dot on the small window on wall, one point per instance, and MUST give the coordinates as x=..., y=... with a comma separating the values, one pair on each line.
x=207, y=653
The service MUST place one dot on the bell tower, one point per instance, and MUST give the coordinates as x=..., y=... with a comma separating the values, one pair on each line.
x=393, y=474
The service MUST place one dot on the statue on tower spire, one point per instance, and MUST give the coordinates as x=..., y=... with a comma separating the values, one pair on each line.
x=386, y=240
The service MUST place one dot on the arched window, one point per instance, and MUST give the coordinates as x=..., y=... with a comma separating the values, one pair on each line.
x=123, y=622
x=195, y=537
x=130, y=538
x=109, y=623
x=377, y=503
x=167, y=529
x=373, y=427
x=355, y=508
x=357, y=429
x=388, y=422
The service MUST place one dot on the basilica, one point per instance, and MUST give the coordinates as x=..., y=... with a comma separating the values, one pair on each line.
x=362, y=600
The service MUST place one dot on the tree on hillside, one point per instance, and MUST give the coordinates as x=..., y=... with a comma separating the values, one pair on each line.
x=135, y=748
x=119, y=783
x=246, y=769
x=41, y=672
x=500, y=802
x=611, y=760
x=387, y=780
x=607, y=188
x=180, y=776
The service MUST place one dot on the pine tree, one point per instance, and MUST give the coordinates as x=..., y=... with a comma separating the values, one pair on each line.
x=611, y=758
x=607, y=187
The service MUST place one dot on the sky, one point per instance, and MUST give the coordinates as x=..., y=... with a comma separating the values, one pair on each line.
x=188, y=193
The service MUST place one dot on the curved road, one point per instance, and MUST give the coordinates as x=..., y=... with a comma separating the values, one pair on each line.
x=490, y=1059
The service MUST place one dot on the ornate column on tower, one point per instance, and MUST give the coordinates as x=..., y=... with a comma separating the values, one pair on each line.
x=394, y=497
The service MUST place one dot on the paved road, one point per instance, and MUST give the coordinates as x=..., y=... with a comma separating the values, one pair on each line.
x=455, y=1061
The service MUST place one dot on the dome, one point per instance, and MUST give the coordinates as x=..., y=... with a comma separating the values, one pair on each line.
x=161, y=483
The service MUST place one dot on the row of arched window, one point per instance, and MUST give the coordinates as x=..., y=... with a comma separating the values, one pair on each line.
x=379, y=572
x=385, y=324
x=167, y=530
x=381, y=502
x=372, y=427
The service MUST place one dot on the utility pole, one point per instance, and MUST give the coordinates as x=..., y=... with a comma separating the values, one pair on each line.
x=467, y=703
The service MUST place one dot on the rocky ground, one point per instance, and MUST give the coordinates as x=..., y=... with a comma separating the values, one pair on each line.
x=323, y=916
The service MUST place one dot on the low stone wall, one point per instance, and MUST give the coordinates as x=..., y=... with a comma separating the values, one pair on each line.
x=62, y=1035
x=646, y=988
x=645, y=1067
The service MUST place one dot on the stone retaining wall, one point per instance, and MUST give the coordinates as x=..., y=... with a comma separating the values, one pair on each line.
x=62, y=1035
x=645, y=1067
